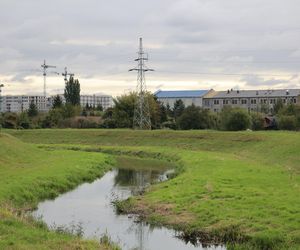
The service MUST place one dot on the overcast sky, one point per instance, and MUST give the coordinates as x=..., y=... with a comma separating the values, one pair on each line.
x=192, y=44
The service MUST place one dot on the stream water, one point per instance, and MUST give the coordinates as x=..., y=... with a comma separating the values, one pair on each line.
x=89, y=208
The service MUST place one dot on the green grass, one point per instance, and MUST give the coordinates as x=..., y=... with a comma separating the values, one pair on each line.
x=234, y=185
x=29, y=174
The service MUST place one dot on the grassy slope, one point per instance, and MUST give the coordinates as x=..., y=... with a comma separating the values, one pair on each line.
x=29, y=174
x=245, y=180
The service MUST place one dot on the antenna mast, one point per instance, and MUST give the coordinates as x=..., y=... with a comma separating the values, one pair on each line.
x=45, y=67
x=141, y=118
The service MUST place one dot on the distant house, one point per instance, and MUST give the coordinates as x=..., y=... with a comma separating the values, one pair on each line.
x=189, y=97
x=251, y=100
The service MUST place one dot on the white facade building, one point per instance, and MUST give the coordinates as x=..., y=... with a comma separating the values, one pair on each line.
x=105, y=101
x=20, y=103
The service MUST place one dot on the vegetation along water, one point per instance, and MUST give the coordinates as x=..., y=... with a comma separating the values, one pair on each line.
x=238, y=188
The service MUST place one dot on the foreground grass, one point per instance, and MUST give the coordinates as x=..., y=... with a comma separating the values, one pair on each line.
x=241, y=186
x=28, y=175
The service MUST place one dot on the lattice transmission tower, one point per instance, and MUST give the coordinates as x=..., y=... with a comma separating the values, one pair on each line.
x=141, y=118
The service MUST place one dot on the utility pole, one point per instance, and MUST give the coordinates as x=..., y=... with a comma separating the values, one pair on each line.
x=66, y=74
x=141, y=118
x=45, y=67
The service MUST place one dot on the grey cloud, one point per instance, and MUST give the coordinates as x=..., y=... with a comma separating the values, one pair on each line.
x=98, y=39
x=254, y=80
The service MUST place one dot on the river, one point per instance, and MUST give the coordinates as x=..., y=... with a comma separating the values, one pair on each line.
x=89, y=210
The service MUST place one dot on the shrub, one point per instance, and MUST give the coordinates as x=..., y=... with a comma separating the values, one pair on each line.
x=171, y=124
x=257, y=121
x=235, y=119
x=108, y=123
x=287, y=122
x=10, y=120
x=23, y=120
x=193, y=118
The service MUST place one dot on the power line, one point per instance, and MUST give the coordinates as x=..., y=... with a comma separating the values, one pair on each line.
x=225, y=74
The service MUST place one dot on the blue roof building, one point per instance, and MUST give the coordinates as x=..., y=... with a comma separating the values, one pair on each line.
x=189, y=97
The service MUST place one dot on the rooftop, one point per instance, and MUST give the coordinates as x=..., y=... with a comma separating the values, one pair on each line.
x=180, y=93
x=256, y=93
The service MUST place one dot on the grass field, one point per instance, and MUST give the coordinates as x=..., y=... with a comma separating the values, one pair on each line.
x=235, y=186
x=28, y=175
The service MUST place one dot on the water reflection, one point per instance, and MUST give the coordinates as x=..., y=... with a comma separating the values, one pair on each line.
x=137, y=180
x=90, y=205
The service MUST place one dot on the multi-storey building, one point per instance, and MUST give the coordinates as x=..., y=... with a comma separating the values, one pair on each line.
x=105, y=101
x=251, y=100
x=20, y=103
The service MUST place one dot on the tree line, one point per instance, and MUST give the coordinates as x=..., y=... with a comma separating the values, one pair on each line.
x=179, y=117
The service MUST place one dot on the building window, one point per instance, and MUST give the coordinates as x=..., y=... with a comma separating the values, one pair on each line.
x=225, y=102
x=244, y=101
x=216, y=102
x=206, y=103
x=234, y=101
x=253, y=101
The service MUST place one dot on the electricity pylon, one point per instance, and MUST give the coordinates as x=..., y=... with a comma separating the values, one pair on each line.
x=141, y=118
x=45, y=67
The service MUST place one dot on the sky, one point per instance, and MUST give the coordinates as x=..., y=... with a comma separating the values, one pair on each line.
x=191, y=44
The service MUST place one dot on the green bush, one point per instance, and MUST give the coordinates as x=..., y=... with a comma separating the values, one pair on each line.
x=257, y=121
x=10, y=120
x=171, y=124
x=23, y=120
x=287, y=122
x=193, y=118
x=235, y=119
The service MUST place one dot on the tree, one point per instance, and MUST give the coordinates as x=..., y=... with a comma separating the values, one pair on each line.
x=264, y=108
x=278, y=106
x=99, y=107
x=169, y=111
x=10, y=120
x=57, y=102
x=123, y=111
x=69, y=110
x=72, y=91
x=163, y=113
x=53, y=117
x=257, y=121
x=287, y=122
x=234, y=119
x=178, y=108
x=32, y=111
x=194, y=118
x=23, y=120
x=189, y=119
